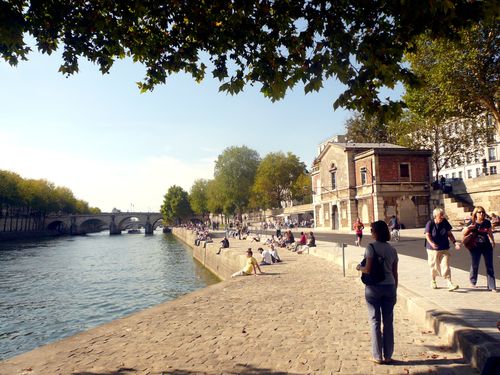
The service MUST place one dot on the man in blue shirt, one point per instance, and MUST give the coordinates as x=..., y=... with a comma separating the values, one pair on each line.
x=438, y=234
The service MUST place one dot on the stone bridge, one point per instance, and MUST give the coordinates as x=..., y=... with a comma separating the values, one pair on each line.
x=115, y=222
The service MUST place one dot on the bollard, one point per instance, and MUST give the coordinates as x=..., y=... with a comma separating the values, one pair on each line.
x=342, y=245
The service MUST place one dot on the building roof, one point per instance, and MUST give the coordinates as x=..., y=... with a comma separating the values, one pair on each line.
x=392, y=151
x=352, y=146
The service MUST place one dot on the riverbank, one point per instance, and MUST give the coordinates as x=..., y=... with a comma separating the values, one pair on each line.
x=28, y=235
x=302, y=316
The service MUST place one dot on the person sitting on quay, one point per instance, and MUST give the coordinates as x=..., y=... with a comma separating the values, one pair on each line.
x=250, y=265
x=255, y=238
x=274, y=254
x=310, y=243
x=289, y=238
x=224, y=245
x=301, y=242
x=270, y=240
x=267, y=258
x=201, y=237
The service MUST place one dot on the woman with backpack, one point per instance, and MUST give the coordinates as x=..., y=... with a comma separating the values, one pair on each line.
x=381, y=296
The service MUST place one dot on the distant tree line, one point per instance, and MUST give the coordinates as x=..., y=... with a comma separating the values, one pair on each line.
x=25, y=203
x=242, y=181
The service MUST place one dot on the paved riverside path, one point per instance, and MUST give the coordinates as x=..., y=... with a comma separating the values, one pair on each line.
x=478, y=307
x=302, y=316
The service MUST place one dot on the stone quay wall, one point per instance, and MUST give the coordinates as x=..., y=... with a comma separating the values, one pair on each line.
x=223, y=265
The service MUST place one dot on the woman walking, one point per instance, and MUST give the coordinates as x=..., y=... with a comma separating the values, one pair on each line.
x=480, y=227
x=358, y=229
x=381, y=297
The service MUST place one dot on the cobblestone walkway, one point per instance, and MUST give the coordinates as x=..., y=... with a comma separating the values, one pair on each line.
x=300, y=317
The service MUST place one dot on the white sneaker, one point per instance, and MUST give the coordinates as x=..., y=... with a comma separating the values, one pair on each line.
x=452, y=287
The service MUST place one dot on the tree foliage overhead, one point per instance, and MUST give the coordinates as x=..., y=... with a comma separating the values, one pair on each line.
x=462, y=74
x=175, y=207
x=234, y=174
x=275, y=43
x=275, y=180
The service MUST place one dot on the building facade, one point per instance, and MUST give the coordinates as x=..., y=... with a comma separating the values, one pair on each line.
x=372, y=181
x=472, y=165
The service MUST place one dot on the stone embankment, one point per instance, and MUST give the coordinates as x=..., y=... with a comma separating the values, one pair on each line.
x=302, y=316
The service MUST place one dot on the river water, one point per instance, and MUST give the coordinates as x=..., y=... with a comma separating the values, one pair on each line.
x=54, y=288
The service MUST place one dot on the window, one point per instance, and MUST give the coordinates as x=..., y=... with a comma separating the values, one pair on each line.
x=447, y=175
x=404, y=170
x=493, y=169
x=491, y=154
x=478, y=172
x=363, y=175
x=469, y=173
x=334, y=180
x=460, y=174
x=453, y=175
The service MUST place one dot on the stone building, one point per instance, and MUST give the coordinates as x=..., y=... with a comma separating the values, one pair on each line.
x=372, y=181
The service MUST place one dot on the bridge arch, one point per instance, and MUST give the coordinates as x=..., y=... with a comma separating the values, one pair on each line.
x=57, y=225
x=126, y=221
x=157, y=222
x=92, y=225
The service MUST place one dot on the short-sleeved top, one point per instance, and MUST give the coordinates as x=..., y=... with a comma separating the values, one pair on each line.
x=439, y=234
x=390, y=255
x=251, y=262
x=266, y=256
x=393, y=223
x=358, y=227
x=312, y=242
x=303, y=239
x=482, y=231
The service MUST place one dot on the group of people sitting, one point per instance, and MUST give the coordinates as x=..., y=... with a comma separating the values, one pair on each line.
x=303, y=244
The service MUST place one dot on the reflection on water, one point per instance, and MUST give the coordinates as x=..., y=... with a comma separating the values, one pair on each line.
x=54, y=288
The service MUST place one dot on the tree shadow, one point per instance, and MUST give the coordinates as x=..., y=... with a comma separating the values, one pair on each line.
x=238, y=369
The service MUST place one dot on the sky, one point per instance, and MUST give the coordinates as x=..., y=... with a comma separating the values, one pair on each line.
x=117, y=148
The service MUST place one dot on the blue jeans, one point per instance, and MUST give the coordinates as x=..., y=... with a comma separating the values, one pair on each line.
x=380, y=300
x=475, y=254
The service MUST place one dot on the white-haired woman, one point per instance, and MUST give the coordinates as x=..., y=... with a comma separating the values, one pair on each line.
x=438, y=236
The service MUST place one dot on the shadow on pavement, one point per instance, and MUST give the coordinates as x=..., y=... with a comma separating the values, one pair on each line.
x=238, y=369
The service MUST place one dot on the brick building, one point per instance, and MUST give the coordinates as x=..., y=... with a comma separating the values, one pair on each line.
x=372, y=181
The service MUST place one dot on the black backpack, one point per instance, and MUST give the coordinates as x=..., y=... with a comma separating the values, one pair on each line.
x=377, y=272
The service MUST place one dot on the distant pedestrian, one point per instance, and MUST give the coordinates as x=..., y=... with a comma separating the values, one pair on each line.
x=381, y=297
x=358, y=229
x=480, y=227
x=437, y=236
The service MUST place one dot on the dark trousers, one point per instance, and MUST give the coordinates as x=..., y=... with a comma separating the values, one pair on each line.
x=487, y=252
x=380, y=300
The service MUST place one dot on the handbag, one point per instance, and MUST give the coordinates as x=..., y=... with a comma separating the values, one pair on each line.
x=470, y=241
x=377, y=272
